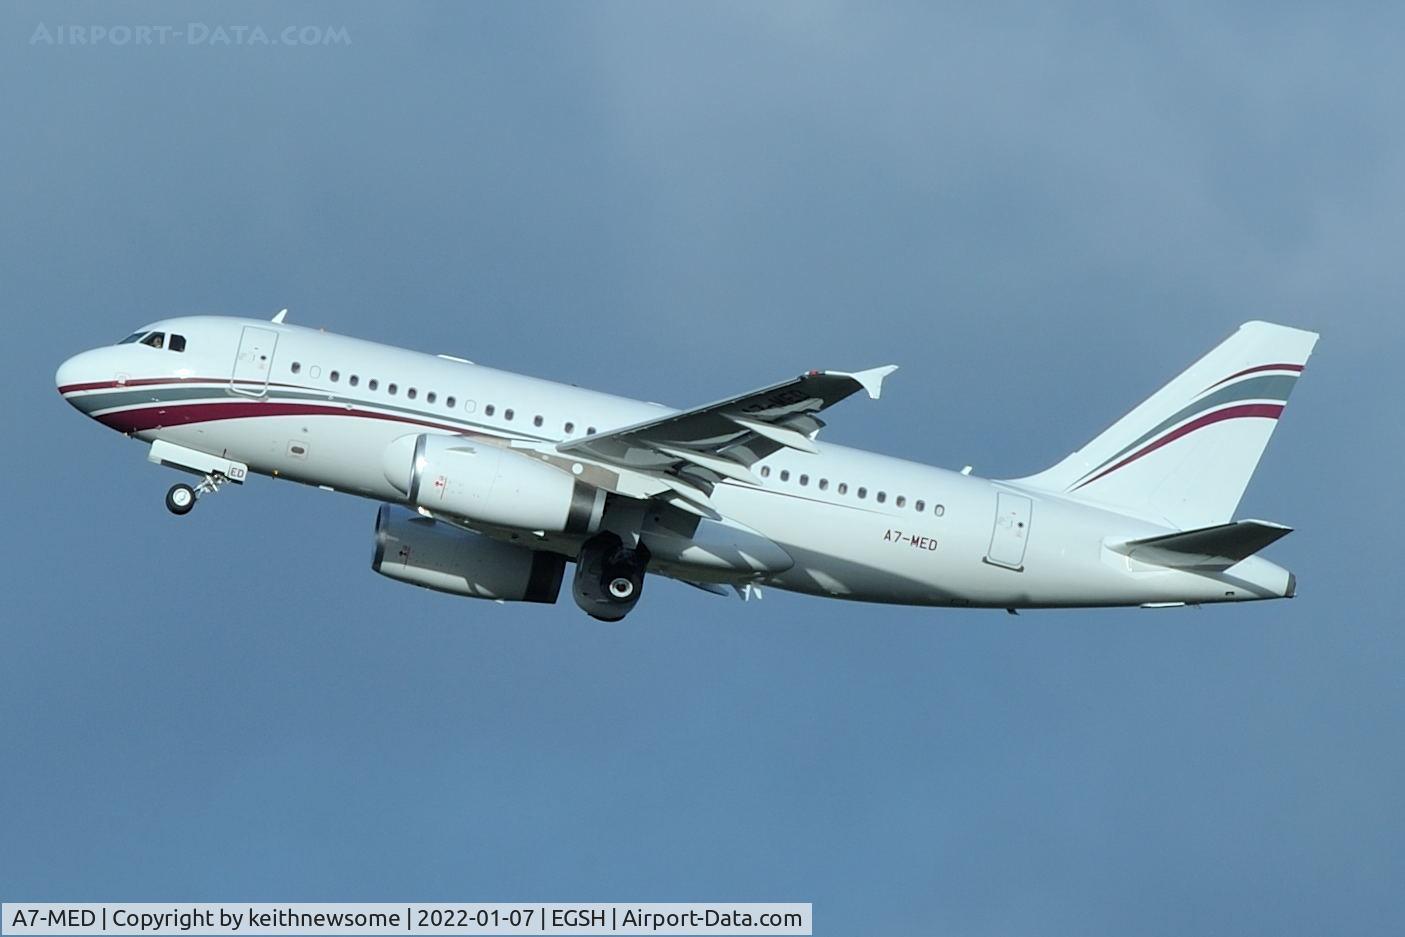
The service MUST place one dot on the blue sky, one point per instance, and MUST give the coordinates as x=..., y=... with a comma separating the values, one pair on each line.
x=1042, y=212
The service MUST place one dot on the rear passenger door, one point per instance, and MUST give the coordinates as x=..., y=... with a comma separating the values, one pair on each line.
x=1011, y=534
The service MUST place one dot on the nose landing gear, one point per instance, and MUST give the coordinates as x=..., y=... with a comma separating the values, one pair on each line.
x=215, y=471
x=180, y=499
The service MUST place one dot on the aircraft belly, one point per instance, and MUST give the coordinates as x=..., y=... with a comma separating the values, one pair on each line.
x=842, y=552
x=723, y=545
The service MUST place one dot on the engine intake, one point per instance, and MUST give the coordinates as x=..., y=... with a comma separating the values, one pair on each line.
x=423, y=552
x=491, y=484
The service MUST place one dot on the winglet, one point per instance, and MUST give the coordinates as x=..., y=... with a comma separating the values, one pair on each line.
x=871, y=380
x=282, y=313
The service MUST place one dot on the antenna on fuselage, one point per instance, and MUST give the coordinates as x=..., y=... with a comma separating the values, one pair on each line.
x=279, y=318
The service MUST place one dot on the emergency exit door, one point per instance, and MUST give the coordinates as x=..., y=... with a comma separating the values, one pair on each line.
x=254, y=361
x=1011, y=534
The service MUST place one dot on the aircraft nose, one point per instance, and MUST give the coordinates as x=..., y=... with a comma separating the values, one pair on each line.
x=68, y=373
x=79, y=369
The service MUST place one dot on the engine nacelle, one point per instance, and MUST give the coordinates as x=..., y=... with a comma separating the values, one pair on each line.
x=490, y=484
x=418, y=550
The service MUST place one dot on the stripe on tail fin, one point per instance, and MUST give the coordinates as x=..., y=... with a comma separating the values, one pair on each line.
x=1185, y=456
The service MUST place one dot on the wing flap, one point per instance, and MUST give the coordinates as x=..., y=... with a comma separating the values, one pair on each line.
x=721, y=465
x=777, y=432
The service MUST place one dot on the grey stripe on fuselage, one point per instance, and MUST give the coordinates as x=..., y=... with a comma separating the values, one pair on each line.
x=137, y=396
x=160, y=394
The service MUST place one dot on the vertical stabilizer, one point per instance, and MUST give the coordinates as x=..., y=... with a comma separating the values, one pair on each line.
x=1185, y=456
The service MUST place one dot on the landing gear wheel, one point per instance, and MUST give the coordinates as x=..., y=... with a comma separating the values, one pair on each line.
x=622, y=587
x=180, y=499
x=609, y=576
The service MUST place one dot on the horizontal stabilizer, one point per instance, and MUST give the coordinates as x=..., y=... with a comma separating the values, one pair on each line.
x=1208, y=548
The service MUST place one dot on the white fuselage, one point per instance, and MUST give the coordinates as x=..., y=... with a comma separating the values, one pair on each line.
x=321, y=409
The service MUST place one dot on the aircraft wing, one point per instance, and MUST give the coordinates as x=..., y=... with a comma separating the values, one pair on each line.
x=690, y=451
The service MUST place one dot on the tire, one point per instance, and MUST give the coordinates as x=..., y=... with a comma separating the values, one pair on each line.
x=609, y=578
x=180, y=499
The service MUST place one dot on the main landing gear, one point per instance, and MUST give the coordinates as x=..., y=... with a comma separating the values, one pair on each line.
x=180, y=500
x=609, y=576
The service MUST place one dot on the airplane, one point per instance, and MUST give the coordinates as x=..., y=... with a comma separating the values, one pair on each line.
x=491, y=482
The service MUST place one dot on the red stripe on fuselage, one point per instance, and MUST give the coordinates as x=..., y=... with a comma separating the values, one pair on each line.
x=1268, y=410
x=146, y=418
x=148, y=381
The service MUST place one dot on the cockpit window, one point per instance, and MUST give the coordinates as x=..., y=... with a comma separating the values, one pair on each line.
x=156, y=340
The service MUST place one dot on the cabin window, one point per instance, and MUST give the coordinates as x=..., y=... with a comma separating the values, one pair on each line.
x=590, y=431
x=824, y=484
x=391, y=389
x=537, y=420
x=507, y=414
x=469, y=406
x=939, y=510
x=785, y=475
x=449, y=402
x=177, y=343
x=334, y=376
x=920, y=505
x=570, y=428
x=373, y=383
x=900, y=501
x=882, y=496
x=314, y=371
x=843, y=488
x=353, y=380
x=863, y=492
x=489, y=410
x=804, y=479
x=296, y=367
x=765, y=471
x=431, y=397
x=412, y=393
x=155, y=340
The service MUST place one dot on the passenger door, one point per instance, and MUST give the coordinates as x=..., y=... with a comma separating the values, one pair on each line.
x=1011, y=534
x=254, y=361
